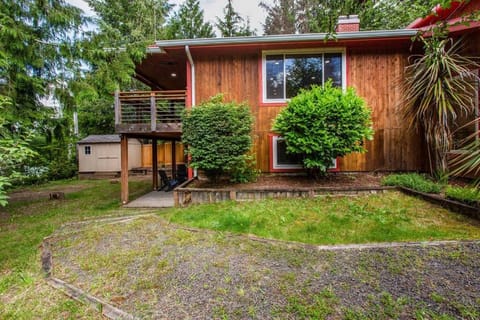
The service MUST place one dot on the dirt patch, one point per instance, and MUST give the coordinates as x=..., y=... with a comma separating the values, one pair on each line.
x=296, y=181
x=158, y=271
x=24, y=195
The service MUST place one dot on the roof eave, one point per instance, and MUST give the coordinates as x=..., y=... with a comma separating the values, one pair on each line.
x=343, y=36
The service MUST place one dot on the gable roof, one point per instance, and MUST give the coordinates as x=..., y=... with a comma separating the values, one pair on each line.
x=100, y=138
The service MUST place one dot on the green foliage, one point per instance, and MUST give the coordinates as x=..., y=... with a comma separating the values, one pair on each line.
x=298, y=16
x=188, y=23
x=413, y=181
x=466, y=161
x=324, y=123
x=4, y=184
x=434, y=94
x=125, y=28
x=218, y=135
x=470, y=195
x=245, y=171
x=232, y=24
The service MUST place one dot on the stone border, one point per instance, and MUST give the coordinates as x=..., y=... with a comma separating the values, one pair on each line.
x=451, y=205
x=184, y=196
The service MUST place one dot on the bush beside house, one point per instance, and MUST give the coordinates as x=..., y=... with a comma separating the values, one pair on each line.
x=218, y=137
x=324, y=123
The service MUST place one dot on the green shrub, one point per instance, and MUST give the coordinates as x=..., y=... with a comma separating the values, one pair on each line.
x=217, y=135
x=245, y=171
x=324, y=123
x=470, y=195
x=413, y=181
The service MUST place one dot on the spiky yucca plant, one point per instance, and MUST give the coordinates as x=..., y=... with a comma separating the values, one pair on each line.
x=466, y=160
x=437, y=87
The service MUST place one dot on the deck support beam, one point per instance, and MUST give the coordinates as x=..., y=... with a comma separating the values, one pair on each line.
x=124, y=168
x=154, y=164
x=174, y=160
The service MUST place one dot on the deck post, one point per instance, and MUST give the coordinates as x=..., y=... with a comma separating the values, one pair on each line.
x=118, y=112
x=153, y=112
x=174, y=161
x=124, y=168
x=154, y=164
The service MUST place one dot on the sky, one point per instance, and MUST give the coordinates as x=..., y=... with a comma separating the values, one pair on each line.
x=211, y=9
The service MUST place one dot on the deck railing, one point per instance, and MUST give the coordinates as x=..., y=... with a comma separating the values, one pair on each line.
x=149, y=110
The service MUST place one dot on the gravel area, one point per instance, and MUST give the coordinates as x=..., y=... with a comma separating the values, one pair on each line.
x=154, y=270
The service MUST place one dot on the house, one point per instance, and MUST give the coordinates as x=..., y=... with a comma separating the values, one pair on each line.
x=99, y=155
x=257, y=70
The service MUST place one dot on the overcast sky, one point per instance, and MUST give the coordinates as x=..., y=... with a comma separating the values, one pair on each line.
x=213, y=8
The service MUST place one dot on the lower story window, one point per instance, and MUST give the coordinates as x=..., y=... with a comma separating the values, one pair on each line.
x=282, y=161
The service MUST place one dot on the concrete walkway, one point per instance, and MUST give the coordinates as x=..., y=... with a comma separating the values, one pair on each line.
x=154, y=199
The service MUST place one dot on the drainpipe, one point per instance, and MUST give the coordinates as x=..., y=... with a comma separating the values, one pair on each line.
x=192, y=65
x=192, y=68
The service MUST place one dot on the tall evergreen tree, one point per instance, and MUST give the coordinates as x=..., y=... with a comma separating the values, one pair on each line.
x=125, y=28
x=232, y=24
x=37, y=44
x=38, y=51
x=188, y=23
x=304, y=16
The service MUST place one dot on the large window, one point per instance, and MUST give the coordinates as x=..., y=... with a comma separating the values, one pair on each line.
x=284, y=74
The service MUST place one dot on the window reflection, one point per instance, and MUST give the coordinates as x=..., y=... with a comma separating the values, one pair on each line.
x=302, y=71
x=274, y=75
x=287, y=74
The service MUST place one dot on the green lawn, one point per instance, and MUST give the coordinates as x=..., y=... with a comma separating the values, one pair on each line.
x=23, y=225
x=375, y=218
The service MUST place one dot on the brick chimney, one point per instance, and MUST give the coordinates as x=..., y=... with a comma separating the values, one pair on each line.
x=349, y=23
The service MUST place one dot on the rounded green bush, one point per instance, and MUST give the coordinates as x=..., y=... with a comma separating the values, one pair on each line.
x=324, y=123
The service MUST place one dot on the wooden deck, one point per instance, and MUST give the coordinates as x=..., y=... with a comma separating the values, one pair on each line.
x=149, y=112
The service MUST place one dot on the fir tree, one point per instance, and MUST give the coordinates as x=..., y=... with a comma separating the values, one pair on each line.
x=232, y=24
x=188, y=23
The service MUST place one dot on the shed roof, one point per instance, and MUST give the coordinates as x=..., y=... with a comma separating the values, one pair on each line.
x=100, y=138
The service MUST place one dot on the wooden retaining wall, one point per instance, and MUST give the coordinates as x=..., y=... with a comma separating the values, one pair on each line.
x=184, y=196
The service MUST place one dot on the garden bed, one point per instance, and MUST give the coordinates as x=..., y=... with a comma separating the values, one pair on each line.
x=456, y=206
x=278, y=186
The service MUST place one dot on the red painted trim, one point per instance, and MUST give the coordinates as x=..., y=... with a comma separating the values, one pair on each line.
x=439, y=14
x=270, y=152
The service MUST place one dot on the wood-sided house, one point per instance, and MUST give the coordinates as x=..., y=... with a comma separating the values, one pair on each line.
x=264, y=72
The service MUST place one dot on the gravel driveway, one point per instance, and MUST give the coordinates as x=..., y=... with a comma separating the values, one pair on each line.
x=154, y=270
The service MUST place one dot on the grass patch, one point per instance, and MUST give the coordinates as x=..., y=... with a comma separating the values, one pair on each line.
x=469, y=195
x=413, y=181
x=375, y=218
x=24, y=224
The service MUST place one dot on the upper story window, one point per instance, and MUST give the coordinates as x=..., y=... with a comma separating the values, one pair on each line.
x=285, y=73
